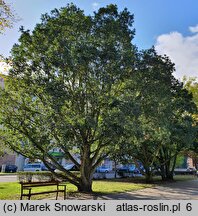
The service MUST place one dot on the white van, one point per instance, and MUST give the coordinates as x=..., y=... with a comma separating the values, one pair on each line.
x=34, y=167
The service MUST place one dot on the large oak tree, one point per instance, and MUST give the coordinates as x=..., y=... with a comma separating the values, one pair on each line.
x=65, y=89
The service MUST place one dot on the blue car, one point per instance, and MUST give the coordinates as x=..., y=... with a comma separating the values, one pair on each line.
x=10, y=168
x=126, y=170
x=102, y=169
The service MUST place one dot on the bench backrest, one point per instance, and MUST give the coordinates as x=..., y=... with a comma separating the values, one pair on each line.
x=36, y=184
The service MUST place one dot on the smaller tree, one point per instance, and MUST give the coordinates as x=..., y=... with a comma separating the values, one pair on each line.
x=181, y=127
x=164, y=125
x=153, y=90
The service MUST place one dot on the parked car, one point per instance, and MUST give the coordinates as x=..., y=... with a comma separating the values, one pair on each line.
x=35, y=167
x=70, y=167
x=10, y=168
x=127, y=170
x=185, y=171
x=102, y=169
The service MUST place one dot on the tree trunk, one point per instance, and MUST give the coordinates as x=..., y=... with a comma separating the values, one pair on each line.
x=115, y=175
x=162, y=164
x=171, y=172
x=167, y=165
x=86, y=172
x=148, y=175
x=170, y=176
x=163, y=173
x=195, y=161
x=167, y=170
x=85, y=186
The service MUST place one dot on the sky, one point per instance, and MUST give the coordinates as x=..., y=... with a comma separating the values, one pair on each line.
x=169, y=25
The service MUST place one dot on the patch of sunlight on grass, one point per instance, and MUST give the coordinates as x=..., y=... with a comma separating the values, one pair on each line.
x=117, y=187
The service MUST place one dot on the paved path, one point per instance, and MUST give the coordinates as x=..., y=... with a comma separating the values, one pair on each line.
x=8, y=178
x=184, y=190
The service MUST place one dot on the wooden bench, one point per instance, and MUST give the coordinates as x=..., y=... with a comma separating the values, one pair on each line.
x=26, y=188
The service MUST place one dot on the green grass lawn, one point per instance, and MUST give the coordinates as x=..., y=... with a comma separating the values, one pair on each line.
x=11, y=190
x=117, y=187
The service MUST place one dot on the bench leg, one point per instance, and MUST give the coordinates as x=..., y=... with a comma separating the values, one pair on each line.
x=29, y=195
x=21, y=192
x=64, y=195
x=57, y=192
x=56, y=195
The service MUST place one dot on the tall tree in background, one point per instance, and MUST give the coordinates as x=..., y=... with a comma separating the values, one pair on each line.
x=7, y=16
x=191, y=85
x=182, y=131
x=66, y=86
x=164, y=126
x=154, y=78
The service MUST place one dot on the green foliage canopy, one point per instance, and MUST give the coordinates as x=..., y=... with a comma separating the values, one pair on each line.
x=65, y=88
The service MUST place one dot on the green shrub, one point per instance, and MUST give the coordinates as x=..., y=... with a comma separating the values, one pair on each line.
x=35, y=176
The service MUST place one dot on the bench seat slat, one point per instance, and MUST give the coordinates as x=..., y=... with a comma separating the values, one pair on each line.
x=35, y=183
x=44, y=192
x=39, y=185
